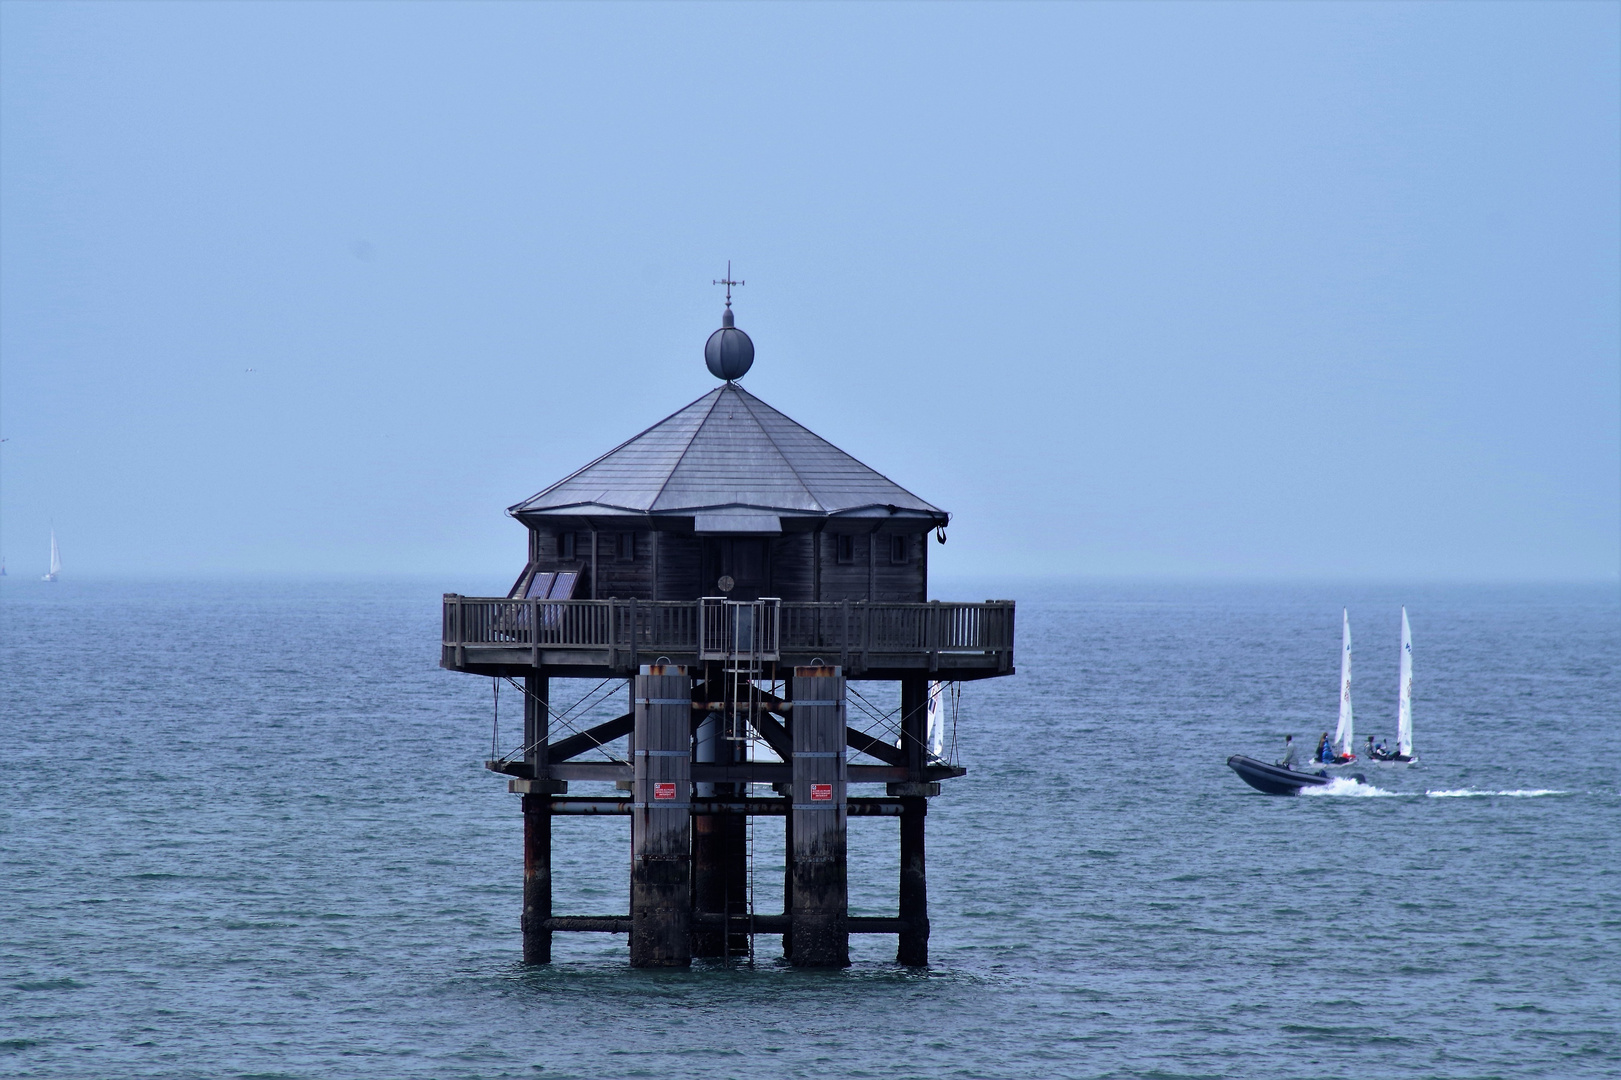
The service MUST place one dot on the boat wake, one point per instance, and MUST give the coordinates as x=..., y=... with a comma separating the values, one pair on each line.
x=1345, y=787
x=1523, y=793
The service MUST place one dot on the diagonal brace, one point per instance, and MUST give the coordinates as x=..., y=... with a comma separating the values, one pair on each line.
x=591, y=738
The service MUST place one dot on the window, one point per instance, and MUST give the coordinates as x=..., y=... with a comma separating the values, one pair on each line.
x=845, y=548
x=565, y=545
x=900, y=549
x=627, y=547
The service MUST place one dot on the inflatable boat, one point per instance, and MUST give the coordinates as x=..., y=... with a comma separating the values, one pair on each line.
x=1275, y=779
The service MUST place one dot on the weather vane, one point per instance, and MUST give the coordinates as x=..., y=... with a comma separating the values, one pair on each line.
x=728, y=282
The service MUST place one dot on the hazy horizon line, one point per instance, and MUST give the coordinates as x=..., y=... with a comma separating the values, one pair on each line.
x=450, y=577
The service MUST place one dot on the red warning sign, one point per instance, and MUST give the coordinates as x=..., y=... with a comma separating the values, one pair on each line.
x=821, y=793
x=664, y=791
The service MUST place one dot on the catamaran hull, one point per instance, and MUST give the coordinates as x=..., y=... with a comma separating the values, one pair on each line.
x=1274, y=779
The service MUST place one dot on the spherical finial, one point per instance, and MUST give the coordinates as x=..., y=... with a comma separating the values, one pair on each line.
x=728, y=352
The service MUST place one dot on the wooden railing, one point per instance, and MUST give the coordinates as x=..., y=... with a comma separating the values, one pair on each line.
x=833, y=631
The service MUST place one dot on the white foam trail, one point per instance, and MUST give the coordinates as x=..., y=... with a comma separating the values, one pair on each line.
x=1465, y=793
x=1344, y=785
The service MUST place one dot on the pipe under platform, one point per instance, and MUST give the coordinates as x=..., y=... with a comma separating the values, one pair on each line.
x=738, y=924
x=591, y=806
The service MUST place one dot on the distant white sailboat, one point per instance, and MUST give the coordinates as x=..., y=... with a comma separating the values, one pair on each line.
x=1404, y=702
x=1344, y=734
x=56, y=560
x=937, y=719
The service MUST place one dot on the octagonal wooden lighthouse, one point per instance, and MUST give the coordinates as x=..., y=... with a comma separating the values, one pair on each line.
x=738, y=571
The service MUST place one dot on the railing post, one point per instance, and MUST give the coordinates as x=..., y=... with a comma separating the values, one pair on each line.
x=866, y=633
x=931, y=635
x=461, y=634
x=633, y=639
x=1007, y=644
x=844, y=639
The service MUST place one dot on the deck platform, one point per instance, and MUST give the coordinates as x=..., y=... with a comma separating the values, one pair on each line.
x=603, y=638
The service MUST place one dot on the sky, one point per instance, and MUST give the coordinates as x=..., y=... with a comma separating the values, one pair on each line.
x=1164, y=290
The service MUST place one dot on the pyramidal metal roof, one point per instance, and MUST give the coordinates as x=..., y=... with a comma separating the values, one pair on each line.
x=728, y=452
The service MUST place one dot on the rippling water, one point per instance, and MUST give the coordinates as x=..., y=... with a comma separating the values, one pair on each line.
x=245, y=831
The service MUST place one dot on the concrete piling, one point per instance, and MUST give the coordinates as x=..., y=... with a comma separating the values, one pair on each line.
x=661, y=819
x=819, y=876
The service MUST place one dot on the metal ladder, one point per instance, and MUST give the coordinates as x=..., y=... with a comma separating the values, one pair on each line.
x=743, y=671
x=742, y=636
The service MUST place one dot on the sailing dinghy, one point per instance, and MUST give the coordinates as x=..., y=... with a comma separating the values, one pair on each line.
x=1404, y=702
x=56, y=560
x=1344, y=734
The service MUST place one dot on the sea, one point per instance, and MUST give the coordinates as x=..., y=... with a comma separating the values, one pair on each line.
x=246, y=831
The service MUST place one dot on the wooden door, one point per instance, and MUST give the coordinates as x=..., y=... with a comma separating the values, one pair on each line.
x=746, y=560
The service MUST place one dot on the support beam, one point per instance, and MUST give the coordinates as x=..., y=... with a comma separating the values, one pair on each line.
x=915, y=724
x=888, y=754
x=598, y=924
x=599, y=806
x=820, y=895
x=754, y=772
x=913, y=949
x=537, y=879
x=592, y=737
x=661, y=821
x=776, y=924
x=774, y=733
x=537, y=827
x=761, y=924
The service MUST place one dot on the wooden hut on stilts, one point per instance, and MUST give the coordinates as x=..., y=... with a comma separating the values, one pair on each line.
x=739, y=572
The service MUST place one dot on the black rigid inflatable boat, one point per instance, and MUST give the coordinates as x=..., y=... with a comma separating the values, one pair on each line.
x=1275, y=779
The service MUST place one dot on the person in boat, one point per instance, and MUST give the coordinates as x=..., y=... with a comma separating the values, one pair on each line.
x=1325, y=750
x=1290, y=754
x=1369, y=750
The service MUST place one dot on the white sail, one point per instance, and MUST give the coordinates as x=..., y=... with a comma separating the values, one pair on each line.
x=56, y=559
x=1404, y=704
x=1344, y=735
x=937, y=719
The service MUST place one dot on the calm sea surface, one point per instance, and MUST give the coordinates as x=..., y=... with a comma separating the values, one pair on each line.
x=245, y=832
